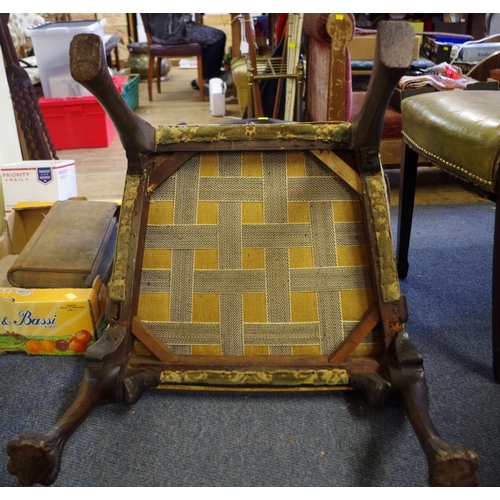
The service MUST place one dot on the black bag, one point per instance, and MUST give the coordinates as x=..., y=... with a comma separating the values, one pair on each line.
x=169, y=28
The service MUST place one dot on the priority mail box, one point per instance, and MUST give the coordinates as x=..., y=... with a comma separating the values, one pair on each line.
x=38, y=180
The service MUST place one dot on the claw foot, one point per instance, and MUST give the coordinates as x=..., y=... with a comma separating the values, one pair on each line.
x=34, y=459
x=452, y=465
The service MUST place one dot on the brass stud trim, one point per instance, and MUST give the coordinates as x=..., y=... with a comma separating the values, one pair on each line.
x=461, y=172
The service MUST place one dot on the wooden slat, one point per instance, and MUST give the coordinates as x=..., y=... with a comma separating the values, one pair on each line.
x=341, y=168
x=165, y=167
x=361, y=364
x=364, y=327
x=148, y=338
x=251, y=145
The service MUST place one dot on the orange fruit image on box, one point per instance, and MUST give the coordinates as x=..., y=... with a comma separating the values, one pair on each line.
x=50, y=321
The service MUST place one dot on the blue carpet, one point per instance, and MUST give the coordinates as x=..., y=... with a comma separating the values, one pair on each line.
x=295, y=439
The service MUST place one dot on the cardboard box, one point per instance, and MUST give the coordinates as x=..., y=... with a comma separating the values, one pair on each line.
x=440, y=49
x=77, y=122
x=61, y=321
x=362, y=48
x=38, y=180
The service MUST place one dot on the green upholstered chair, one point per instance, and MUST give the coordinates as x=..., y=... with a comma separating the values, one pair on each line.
x=459, y=131
x=252, y=256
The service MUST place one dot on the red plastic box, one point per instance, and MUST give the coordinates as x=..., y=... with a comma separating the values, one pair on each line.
x=77, y=122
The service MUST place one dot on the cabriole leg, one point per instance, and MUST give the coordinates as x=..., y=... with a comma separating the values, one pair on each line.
x=449, y=464
x=35, y=457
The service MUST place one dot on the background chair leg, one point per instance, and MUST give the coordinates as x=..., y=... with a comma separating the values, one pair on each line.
x=496, y=292
x=407, y=185
x=158, y=74
x=150, y=77
x=200, y=78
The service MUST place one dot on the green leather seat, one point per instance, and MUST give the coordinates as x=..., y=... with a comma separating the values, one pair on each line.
x=458, y=131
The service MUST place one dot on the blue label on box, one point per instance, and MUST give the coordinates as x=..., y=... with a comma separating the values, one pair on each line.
x=44, y=174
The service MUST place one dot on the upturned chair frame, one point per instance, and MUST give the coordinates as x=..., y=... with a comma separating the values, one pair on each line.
x=129, y=357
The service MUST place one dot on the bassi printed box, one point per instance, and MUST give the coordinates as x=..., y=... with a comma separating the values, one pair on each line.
x=49, y=321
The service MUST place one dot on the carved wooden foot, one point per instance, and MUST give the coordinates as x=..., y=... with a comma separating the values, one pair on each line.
x=135, y=382
x=35, y=457
x=376, y=389
x=449, y=464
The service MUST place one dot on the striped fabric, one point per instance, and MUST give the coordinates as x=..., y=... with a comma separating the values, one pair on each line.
x=255, y=253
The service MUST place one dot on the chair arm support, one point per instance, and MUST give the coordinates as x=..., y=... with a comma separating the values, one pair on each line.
x=393, y=56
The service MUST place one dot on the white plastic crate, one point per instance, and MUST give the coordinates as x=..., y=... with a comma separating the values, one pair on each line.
x=51, y=43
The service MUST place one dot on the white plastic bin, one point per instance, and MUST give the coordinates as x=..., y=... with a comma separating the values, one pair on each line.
x=51, y=45
x=217, y=89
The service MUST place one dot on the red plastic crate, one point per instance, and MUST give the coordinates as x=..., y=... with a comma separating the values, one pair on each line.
x=77, y=122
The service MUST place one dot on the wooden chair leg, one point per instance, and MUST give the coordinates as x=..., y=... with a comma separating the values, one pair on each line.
x=158, y=74
x=449, y=464
x=150, y=77
x=407, y=184
x=35, y=457
x=496, y=292
x=200, y=78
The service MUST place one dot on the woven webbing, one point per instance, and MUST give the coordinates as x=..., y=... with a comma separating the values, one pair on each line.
x=254, y=254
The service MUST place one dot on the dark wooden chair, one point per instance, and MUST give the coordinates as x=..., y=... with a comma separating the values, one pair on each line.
x=159, y=49
x=255, y=256
x=458, y=131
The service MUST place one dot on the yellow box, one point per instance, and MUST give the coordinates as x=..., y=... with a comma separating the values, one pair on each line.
x=55, y=321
